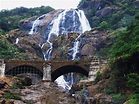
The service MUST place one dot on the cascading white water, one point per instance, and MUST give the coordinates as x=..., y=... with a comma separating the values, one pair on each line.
x=72, y=20
x=54, y=30
x=17, y=41
x=36, y=24
x=85, y=26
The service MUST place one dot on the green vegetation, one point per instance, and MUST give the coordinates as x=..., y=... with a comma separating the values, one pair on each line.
x=120, y=12
x=10, y=51
x=15, y=86
x=125, y=56
x=134, y=99
x=133, y=81
x=6, y=49
x=9, y=19
x=119, y=98
x=9, y=95
x=25, y=81
x=127, y=44
x=122, y=49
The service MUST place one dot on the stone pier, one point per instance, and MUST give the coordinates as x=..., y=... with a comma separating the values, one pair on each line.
x=47, y=72
x=2, y=68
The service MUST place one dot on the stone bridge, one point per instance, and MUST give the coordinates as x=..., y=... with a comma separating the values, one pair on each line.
x=50, y=70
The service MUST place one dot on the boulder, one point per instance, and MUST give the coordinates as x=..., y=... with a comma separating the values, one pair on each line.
x=87, y=51
x=2, y=84
x=104, y=12
x=26, y=81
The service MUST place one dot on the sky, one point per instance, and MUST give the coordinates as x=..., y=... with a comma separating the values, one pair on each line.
x=56, y=4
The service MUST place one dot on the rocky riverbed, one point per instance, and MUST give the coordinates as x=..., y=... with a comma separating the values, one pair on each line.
x=13, y=92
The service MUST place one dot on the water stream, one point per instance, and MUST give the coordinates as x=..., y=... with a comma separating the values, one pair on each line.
x=71, y=20
x=36, y=24
x=17, y=41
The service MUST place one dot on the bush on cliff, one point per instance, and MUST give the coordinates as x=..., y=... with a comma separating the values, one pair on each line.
x=125, y=56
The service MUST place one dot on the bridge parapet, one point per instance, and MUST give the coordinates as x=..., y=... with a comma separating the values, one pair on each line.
x=56, y=68
x=81, y=63
x=10, y=64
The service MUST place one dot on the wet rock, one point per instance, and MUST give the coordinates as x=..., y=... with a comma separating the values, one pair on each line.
x=2, y=101
x=104, y=12
x=18, y=102
x=26, y=81
x=87, y=51
x=97, y=92
x=8, y=101
x=27, y=44
x=56, y=55
x=102, y=99
x=2, y=84
x=100, y=87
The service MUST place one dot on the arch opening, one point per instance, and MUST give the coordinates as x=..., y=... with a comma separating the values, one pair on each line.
x=26, y=71
x=68, y=69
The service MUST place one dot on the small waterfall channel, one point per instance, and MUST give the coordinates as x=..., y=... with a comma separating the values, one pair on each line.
x=72, y=20
x=17, y=41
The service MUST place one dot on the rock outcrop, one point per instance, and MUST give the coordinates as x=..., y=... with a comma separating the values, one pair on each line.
x=90, y=43
x=42, y=93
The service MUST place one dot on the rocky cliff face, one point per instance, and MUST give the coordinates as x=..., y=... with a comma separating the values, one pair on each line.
x=90, y=43
x=114, y=12
x=34, y=37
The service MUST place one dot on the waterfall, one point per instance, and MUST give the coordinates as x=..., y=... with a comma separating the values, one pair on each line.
x=71, y=20
x=17, y=41
x=36, y=24
x=84, y=27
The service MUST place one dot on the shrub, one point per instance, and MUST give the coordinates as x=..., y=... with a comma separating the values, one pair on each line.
x=103, y=25
x=9, y=95
x=133, y=81
x=134, y=99
x=119, y=98
x=15, y=86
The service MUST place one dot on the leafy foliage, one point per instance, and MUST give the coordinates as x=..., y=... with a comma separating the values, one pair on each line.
x=120, y=14
x=6, y=49
x=127, y=43
x=103, y=25
x=119, y=98
x=133, y=81
x=9, y=95
x=125, y=53
x=10, y=18
x=134, y=99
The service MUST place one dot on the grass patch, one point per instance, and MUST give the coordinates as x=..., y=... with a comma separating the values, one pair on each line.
x=134, y=99
x=9, y=95
x=119, y=98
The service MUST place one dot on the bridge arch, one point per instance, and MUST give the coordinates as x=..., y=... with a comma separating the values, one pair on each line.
x=67, y=69
x=24, y=69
